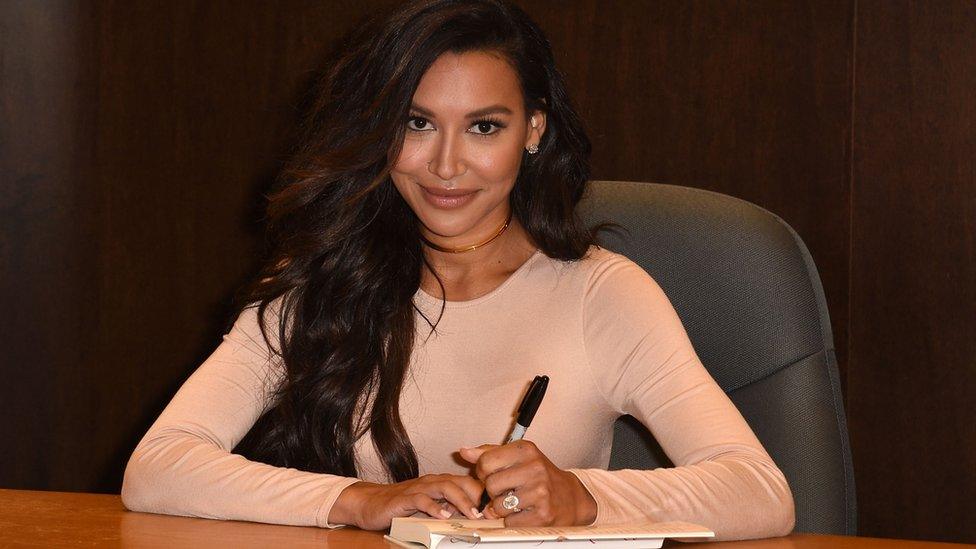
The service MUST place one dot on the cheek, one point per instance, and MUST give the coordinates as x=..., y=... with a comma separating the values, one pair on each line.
x=404, y=185
x=500, y=165
x=405, y=172
x=411, y=156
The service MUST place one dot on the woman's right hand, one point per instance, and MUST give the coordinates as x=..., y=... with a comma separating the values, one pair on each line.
x=372, y=506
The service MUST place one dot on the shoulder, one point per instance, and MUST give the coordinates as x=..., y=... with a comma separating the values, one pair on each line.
x=601, y=279
x=257, y=330
x=604, y=270
x=611, y=285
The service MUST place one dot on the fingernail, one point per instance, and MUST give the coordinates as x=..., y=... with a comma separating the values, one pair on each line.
x=477, y=513
x=445, y=513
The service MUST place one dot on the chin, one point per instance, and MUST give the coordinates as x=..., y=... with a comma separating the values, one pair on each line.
x=446, y=228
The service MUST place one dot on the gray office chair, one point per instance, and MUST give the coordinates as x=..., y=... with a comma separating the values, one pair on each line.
x=750, y=298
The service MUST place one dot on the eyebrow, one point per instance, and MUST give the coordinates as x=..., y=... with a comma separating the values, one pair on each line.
x=493, y=109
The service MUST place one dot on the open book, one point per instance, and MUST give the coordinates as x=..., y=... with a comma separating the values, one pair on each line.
x=492, y=534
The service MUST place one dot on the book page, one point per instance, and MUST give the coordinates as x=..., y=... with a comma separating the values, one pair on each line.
x=646, y=530
x=428, y=532
x=434, y=532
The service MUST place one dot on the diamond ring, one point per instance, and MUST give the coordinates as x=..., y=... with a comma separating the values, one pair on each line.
x=511, y=502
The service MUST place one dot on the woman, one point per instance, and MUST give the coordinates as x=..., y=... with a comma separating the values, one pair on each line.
x=428, y=261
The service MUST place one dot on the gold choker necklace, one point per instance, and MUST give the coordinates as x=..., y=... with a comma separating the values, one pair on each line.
x=472, y=247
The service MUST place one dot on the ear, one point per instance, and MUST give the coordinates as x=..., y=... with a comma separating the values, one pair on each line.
x=536, y=126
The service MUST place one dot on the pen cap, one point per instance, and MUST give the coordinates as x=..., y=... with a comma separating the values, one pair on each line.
x=533, y=398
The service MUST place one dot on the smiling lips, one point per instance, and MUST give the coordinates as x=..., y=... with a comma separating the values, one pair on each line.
x=447, y=199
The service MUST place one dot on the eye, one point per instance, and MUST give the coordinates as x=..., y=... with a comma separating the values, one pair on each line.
x=487, y=126
x=418, y=124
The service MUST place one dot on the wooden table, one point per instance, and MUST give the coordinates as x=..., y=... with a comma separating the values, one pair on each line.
x=59, y=519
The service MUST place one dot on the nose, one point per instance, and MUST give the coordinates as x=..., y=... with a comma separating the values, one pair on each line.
x=447, y=160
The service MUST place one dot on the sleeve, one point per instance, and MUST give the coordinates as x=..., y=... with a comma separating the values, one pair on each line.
x=184, y=466
x=645, y=365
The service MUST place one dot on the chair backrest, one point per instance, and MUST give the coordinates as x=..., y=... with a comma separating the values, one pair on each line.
x=751, y=300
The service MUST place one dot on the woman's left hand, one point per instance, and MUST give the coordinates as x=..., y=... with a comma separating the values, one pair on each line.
x=547, y=495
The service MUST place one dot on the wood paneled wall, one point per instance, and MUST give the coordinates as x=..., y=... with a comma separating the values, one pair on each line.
x=136, y=140
x=911, y=389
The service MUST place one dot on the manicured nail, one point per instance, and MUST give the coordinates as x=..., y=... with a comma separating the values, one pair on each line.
x=477, y=513
x=445, y=513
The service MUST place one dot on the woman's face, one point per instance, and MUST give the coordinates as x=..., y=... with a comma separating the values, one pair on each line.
x=463, y=145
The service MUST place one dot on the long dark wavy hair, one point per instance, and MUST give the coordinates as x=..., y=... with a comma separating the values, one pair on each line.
x=346, y=255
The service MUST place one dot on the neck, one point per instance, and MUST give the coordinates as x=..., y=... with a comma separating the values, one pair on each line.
x=471, y=247
x=512, y=241
x=468, y=275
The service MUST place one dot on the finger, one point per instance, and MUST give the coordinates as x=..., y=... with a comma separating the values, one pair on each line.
x=533, y=516
x=461, y=480
x=450, y=491
x=539, y=511
x=471, y=454
x=488, y=513
x=518, y=477
x=471, y=486
x=475, y=490
x=450, y=508
x=502, y=457
x=426, y=504
x=498, y=508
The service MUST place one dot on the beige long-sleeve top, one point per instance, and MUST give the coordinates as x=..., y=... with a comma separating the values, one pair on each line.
x=603, y=331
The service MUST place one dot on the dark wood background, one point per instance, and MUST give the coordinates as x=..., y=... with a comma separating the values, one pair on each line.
x=136, y=139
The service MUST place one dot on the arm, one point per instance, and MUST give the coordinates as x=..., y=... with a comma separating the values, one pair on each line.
x=642, y=360
x=184, y=464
